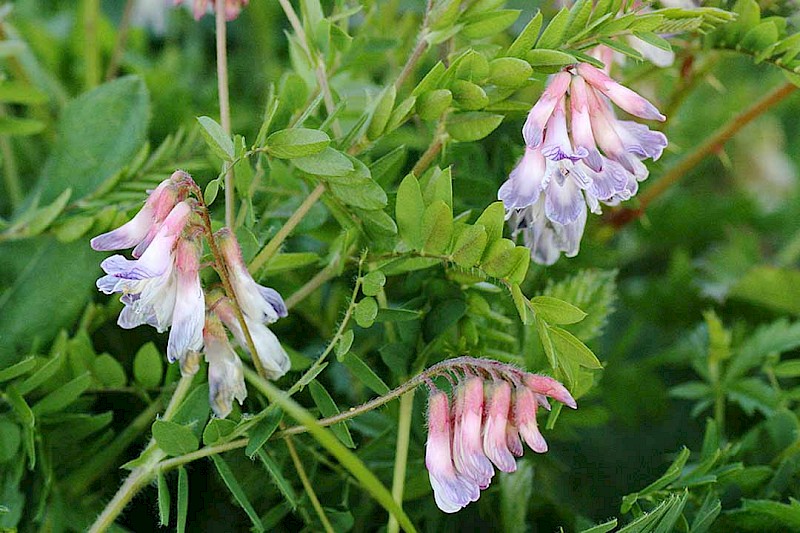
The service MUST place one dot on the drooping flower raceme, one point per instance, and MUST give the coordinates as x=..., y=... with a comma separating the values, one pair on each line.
x=578, y=154
x=490, y=418
x=161, y=287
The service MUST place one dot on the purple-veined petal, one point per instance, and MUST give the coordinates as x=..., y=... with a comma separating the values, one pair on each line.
x=526, y=181
x=641, y=140
x=563, y=202
x=533, y=130
x=557, y=144
x=581, y=124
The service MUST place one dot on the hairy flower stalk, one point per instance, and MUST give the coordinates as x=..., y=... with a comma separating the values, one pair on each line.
x=578, y=155
x=161, y=287
x=494, y=411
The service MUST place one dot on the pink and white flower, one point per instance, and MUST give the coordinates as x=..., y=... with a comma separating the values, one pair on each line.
x=142, y=228
x=470, y=460
x=225, y=373
x=495, y=440
x=465, y=443
x=148, y=284
x=450, y=490
x=273, y=357
x=189, y=312
x=200, y=7
x=572, y=165
x=259, y=303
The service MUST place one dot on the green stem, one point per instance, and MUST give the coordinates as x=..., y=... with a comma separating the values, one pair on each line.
x=122, y=39
x=301, y=472
x=274, y=244
x=224, y=275
x=401, y=455
x=91, y=14
x=417, y=53
x=13, y=187
x=224, y=106
x=321, y=277
x=142, y=475
x=316, y=61
x=436, y=370
x=713, y=144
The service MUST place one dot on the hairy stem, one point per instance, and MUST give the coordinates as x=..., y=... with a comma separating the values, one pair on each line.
x=224, y=105
x=419, y=50
x=122, y=40
x=274, y=244
x=144, y=474
x=713, y=144
x=224, y=275
x=429, y=155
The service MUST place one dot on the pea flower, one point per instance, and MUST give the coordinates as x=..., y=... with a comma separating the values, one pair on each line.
x=490, y=418
x=259, y=303
x=574, y=163
x=225, y=373
x=273, y=357
x=148, y=284
x=142, y=228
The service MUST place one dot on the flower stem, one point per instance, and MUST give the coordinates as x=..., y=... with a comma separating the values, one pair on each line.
x=301, y=471
x=122, y=39
x=324, y=275
x=144, y=474
x=401, y=455
x=419, y=50
x=224, y=104
x=274, y=244
x=621, y=217
x=421, y=378
x=316, y=61
x=91, y=52
x=224, y=275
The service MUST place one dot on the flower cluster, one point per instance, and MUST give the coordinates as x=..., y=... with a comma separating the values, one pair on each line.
x=577, y=154
x=484, y=429
x=201, y=7
x=161, y=287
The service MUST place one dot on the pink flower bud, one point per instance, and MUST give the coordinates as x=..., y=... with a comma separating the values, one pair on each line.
x=142, y=228
x=533, y=130
x=468, y=454
x=525, y=406
x=547, y=386
x=259, y=303
x=495, y=443
x=225, y=374
x=626, y=99
x=450, y=491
